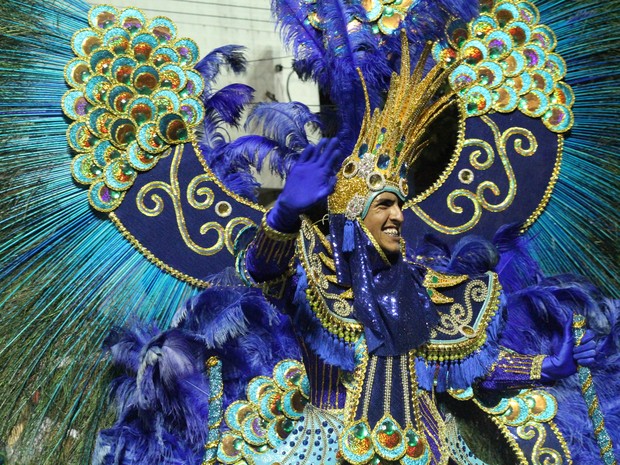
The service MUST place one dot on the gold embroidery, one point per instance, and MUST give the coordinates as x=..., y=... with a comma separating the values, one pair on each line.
x=434, y=280
x=547, y=195
x=404, y=376
x=535, y=430
x=353, y=381
x=536, y=371
x=336, y=321
x=459, y=319
x=563, y=444
x=370, y=378
x=483, y=159
x=274, y=245
x=456, y=321
x=152, y=258
x=225, y=234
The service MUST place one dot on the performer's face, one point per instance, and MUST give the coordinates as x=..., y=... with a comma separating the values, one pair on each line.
x=384, y=220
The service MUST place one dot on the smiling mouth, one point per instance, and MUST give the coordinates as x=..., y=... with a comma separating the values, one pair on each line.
x=393, y=232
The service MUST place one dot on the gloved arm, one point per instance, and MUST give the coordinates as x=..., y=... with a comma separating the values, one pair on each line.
x=514, y=370
x=309, y=182
x=565, y=360
x=312, y=178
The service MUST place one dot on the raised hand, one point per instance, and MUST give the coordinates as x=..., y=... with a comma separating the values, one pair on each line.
x=309, y=182
x=564, y=362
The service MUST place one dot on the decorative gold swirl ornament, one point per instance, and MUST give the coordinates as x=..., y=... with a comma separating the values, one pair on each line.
x=525, y=145
x=149, y=193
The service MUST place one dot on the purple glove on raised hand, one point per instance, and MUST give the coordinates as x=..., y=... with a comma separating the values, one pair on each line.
x=564, y=362
x=310, y=181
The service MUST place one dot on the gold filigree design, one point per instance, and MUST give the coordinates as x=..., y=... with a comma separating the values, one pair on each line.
x=173, y=190
x=529, y=405
x=529, y=416
x=459, y=318
x=438, y=350
x=336, y=321
x=434, y=280
x=541, y=455
x=482, y=159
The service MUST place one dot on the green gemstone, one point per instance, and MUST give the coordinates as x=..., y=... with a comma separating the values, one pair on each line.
x=388, y=427
x=127, y=170
x=412, y=438
x=287, y=425
x=360, y=431
x=435, y=279
x=296, y=378
x=238, y=444
x=388, y=11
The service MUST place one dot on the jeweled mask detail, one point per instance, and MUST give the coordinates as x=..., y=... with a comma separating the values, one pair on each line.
x=134, y=95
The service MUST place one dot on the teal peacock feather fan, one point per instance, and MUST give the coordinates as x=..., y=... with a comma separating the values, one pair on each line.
x=67, y=275
x=578, y=232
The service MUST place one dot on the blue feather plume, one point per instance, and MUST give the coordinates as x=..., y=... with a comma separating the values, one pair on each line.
x=305, y=41
x=163, y=403
x=231, y=56
x=285, y=125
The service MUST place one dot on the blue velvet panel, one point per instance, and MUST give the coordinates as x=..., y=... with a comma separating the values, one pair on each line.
x=532, y=177
x=174, y=236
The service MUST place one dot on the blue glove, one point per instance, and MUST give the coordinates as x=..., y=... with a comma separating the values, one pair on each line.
x=564, y=362
x=310, y=181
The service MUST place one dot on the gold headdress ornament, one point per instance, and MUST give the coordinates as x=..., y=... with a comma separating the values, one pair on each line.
x=390, y=139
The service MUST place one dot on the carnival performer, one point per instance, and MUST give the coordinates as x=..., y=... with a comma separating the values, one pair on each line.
x=380, y=333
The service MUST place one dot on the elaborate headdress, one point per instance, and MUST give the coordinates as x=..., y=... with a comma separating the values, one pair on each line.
x=390, y=138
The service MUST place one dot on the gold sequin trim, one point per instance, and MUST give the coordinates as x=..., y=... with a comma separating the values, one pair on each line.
x=552, y=182
x=272, y=245
x=537, y=363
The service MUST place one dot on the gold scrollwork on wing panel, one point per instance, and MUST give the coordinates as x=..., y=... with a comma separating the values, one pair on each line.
x=194, y=189
x=525, y=144
x=199, y=198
